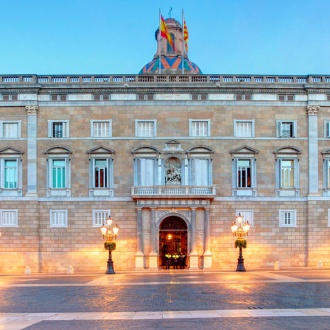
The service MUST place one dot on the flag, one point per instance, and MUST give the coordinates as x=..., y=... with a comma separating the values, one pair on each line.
x=164, y=32
x=185, y=36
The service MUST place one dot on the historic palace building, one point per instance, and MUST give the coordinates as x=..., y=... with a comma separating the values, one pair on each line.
x=173, y=155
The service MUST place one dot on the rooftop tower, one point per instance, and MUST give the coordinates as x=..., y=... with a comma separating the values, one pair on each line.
x=172, y=61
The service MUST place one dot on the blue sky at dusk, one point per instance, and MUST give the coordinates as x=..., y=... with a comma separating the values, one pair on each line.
x=117, y=36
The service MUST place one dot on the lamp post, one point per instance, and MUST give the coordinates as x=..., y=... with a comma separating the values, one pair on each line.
x=109, y=232
x=240, y=230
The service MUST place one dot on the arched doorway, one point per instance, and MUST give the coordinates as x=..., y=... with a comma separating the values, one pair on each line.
x=173, y=239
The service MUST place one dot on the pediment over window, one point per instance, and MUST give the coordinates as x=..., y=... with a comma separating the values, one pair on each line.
x=100, y=150
x=200, y=150
x=244, y=150
x=10, y=151
x=172, y=146
x=326, y=152
x=145, y=150
x=57, y=150
x=288, y=150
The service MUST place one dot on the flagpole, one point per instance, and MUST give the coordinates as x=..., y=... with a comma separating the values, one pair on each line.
x=182, y=43
x=159, y=38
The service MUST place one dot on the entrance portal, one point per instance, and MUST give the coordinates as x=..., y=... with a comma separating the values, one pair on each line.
x=173, y=241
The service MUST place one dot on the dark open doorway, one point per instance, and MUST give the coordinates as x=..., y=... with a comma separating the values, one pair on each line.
x=173, y=240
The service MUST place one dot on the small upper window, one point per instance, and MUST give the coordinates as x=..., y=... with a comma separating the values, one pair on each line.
x=58, y=218
x=287, y=218
x=58, y=129
x=145, y=128
x=327, y=129
x=10, y=129
x=8, y=218
x=100, y=128
x=244, y=128
x=199, y=127
x=286, y=129
x=100, y=217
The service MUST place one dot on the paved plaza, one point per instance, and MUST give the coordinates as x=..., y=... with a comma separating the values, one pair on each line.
x=168, y=299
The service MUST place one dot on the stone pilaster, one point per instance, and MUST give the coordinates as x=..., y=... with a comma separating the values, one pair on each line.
x=193, y=252
x=139, y=257
x=207, y=252
x=153, y=257
x=313, y=163
x=32, y=112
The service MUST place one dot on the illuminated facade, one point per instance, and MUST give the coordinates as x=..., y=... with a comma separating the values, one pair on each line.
x=173, y=155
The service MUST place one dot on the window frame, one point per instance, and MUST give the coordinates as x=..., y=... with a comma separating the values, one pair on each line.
x=19, y=132
x=236, y=130
x=153, y=131
x=327, y=129
x=206, y=176
x=248, y=216
x=281, y=216
x=15, y=214
x=109, y=129
x=195, y=121
x=65, y=219
x=279, y=129
x=65, y=130
x=104, y=216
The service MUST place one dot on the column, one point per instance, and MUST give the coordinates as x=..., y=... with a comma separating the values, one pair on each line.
x=207, y=252
x=32, y=111
x=153, y=257
x=313, y=164
x=139, y=257
x=193, y=252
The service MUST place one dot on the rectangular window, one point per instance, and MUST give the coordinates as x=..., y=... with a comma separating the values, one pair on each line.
x=10, y=130
x=244, y=128
x=145, y=128
x=287, y=174
x=199, y=127
x=101, y=128
x=100, y=217
x=58, y=129
x=248, y=215
x=287, y=218
x=58, y=173
x=146, y=172
x=244, y=178
x=58, y=218
x=10, y=174
x=101, y=171
x=286, y=129
x=327, y=129
x=8, y=218
x=199, y=172
x=326, y=173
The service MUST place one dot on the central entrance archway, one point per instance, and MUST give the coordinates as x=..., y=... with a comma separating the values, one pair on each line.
x=173, y=240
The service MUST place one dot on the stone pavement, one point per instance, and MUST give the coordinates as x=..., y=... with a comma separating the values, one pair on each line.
x=168, y=299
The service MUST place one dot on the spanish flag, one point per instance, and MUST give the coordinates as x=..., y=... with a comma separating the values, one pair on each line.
x=164, y=32
x=185, y=36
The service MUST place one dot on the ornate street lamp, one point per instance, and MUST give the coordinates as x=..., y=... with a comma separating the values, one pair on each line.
x=109, y=232
x=240, y=230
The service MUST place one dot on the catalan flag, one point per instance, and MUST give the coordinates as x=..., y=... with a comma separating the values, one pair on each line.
x=185, y=36
x=164, y=32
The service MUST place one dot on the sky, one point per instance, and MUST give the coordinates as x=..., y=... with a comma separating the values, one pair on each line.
x=282, y=37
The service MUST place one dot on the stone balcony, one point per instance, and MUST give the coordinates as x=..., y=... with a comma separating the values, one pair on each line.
x=167, y=192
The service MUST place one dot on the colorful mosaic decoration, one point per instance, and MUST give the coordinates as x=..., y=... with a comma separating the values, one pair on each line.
x=171, y=64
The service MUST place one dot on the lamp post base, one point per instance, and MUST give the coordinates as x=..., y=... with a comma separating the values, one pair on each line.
x=240, y=265
x=240, y=261
x=110, y=269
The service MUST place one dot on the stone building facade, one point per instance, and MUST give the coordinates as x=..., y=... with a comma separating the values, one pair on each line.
x=173, y=155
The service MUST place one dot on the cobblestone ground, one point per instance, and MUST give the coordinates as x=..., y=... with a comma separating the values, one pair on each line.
x=298, y=299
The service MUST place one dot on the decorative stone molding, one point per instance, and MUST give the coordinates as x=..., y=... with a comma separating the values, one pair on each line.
x=32, y=110
x=312, y=110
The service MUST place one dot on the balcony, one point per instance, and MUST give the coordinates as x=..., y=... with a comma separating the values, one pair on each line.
x=167, y=192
